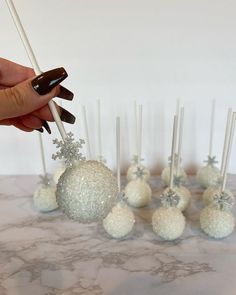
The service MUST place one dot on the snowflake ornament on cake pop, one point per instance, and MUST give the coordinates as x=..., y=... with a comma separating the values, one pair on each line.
x=211, y=160
x=169, y=198
x=223, y=201
x=140, y=172
x=69, y=150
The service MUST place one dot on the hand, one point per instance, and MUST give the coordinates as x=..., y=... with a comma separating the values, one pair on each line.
x=24, y=98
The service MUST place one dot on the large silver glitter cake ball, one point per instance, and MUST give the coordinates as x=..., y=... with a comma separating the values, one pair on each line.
x=87, y=191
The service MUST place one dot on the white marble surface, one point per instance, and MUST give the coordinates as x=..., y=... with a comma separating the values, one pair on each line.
x=46, y=254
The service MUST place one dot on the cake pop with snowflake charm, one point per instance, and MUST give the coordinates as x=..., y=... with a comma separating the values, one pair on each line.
x=209, y=174
x=87, y=190
x=137, y=159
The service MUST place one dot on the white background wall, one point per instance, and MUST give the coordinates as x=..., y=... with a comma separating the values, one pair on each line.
x=151, y=51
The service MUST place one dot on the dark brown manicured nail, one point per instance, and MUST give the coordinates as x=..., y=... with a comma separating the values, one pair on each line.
x=67, y=116
x=45, y=82
x=65, y=93
x=40, y=130
x=46, y=126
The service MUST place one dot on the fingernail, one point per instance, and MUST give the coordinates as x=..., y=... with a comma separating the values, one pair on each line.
x=46, y=126
x=65, y=93
x=40, y=130
x=67, y=116
x=45, y=82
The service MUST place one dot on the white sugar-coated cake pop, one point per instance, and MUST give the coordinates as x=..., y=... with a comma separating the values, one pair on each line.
x=138, y=193
x=45, y=198
x=217, y=223
x=58, y=172
x=184, y=196
x=131, y=172
x=211, y=191
x=168, y=223
x=165, y=175
x=208, y=175
x=120, y=221
x=87, y=191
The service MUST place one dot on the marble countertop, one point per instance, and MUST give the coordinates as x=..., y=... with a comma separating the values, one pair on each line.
x=47, y=254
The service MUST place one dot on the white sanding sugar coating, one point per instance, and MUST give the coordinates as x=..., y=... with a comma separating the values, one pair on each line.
x=211, y=191
x=133, y=168
x=119, y=222
x=58, y=172
x=184, y=197
x=138, y=193
x=45, y=198
x=208, y=175
x=165, y=175
x=87, y=191
x=168, y=223
x=216, y=223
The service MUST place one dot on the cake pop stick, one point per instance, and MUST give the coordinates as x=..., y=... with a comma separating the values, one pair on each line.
x=140, y=133
x=136, y=127
x=99, y=129
x=228, y=152
x=118, y=152
x=173, y=152
x=87, y=133
x=212, y=127
x=42, y=155
x=180, y=140
x=226, y=140
x=34, y=62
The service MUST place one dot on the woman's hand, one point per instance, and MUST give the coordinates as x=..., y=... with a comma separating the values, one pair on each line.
x=24, y=98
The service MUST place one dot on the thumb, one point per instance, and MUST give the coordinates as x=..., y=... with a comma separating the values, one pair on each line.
x=31, y=94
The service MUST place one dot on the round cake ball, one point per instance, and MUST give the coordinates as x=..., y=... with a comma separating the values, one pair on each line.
x=87, y=191
x=58, y=172
x=168, y=223
x=216, y=223
x=119, y=222
x=45, y=198
x=211, y=191
x=165, y=175
x=184, y=197
x=133, y=168
x=138, y=193
x=208, y=175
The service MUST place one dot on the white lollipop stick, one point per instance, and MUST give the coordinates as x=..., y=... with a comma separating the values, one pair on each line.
x=42, y=154
x=212, y=127
x=173, y=152
x=87, y=132
x=99, y=129
x=226, y=140
x=228, y=153
x=180, y=139
x=140, y=133
x=136, y=127
x=177, y=113
x=34, y=63
x=118, y=152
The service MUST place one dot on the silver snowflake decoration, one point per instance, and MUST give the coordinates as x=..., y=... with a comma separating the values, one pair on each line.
x=69, y=149
x=178, y=180
x=211, y=160
x=169, y=198
x=45, y=180
x=102, y=159
x=140, y=172
x=223, y=201
x=135, y=160
x=176, y=156
x=121, y=197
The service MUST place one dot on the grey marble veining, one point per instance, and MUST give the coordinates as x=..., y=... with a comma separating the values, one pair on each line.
x=47, y=254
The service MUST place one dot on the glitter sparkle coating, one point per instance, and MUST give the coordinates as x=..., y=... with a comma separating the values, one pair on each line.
x=216, y=223
x=138, y=193
x=87, y=191
x=208, y=175
x=168, y=223
x=165, y=175
x=131, y=173
x=184, y=196
x=120, y=221
x=211, y=191
x=45, y=198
